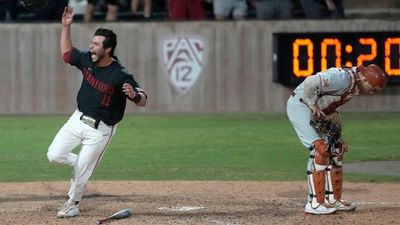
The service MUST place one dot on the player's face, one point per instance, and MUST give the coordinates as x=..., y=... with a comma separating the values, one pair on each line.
x=96, y=48
x=364, y=87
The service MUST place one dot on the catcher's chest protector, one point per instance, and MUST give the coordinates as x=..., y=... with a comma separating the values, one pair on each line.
x=329, y=103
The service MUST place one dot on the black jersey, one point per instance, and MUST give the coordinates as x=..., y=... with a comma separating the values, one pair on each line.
x=100, y=95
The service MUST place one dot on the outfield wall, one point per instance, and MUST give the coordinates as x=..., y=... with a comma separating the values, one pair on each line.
x=224, y=66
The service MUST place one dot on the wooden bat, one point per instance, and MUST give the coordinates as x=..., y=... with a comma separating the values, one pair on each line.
x=125, y=213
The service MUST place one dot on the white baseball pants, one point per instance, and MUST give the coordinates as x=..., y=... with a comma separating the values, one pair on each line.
x=93, y=145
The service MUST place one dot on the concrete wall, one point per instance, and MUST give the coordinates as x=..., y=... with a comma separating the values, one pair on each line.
x=235, y=60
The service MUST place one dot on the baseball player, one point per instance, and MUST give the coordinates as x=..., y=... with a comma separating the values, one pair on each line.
x=317, y=96
x=101, y=104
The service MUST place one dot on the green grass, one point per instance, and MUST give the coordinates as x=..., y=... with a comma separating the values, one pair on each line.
x=196, y=147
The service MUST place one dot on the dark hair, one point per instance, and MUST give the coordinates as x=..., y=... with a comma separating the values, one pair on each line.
x=110, y=40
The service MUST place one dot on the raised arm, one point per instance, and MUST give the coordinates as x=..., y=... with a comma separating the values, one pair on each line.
x=66, y=21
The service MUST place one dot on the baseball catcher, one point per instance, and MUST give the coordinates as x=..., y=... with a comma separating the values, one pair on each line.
x=312, y=111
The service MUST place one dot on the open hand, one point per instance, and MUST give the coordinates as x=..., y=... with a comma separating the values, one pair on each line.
x=316, y=111
x=67, y=16
x=128, y=90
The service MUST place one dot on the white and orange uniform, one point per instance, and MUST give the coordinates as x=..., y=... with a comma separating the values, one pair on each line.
x=328, y=89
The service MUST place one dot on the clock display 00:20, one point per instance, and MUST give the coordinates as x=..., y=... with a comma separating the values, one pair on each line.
x=298, y=55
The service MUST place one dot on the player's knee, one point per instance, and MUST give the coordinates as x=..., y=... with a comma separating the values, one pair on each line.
x=321, y=156
x=52, y=157
x=338, y=161
x=320, y=162
x=321, y=147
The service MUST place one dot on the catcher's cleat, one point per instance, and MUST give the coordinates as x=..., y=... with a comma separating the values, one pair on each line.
x=342, y=205
x=69, y=209
x=321, y=209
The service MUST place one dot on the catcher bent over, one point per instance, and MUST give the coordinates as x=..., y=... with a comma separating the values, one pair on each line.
x=311, y=109
x=101, y=104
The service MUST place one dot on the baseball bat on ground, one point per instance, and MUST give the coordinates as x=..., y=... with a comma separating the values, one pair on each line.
x=125, y=213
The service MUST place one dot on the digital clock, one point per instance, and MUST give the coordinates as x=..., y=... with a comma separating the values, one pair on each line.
x=298, y=55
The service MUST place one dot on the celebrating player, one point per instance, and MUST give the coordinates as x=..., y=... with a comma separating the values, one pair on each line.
x=309, y=109
x=101, y=105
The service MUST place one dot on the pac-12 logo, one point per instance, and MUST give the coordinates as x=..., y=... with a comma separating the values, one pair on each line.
x=183, y=57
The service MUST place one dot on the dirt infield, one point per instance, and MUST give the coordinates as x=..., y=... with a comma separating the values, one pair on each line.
x=195, y=202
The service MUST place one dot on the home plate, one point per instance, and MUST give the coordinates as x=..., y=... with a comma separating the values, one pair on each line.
x=181, y=208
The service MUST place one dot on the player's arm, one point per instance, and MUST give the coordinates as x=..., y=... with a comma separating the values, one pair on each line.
x=65, y=40
x=312, y=87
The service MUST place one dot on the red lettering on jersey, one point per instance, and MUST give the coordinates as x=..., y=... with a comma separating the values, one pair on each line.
x=105, y=101
x=99, y=85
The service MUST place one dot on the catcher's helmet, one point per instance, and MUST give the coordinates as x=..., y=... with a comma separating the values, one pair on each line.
x=33, y=5
x=375, y=75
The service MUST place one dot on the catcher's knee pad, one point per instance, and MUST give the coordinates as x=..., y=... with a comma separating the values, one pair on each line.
x=334, y=183
x=337, y=160
x=316, y=184
x=321, y=157
x=321, y=147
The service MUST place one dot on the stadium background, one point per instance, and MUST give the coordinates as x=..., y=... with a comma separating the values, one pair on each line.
x=236, y=72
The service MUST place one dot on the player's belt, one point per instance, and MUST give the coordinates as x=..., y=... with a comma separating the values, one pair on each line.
x=300, y=99
x=90, y=121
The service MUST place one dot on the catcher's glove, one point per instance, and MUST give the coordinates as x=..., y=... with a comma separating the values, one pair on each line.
x=327, y=126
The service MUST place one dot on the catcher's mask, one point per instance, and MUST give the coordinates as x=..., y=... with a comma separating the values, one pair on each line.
x=374, y=75
x=33, y=5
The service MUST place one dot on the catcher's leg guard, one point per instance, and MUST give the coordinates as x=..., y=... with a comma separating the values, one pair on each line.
x=334, y=183
x=316, y=180
x=334, y=188
x=316, y=203
x=317, y=184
